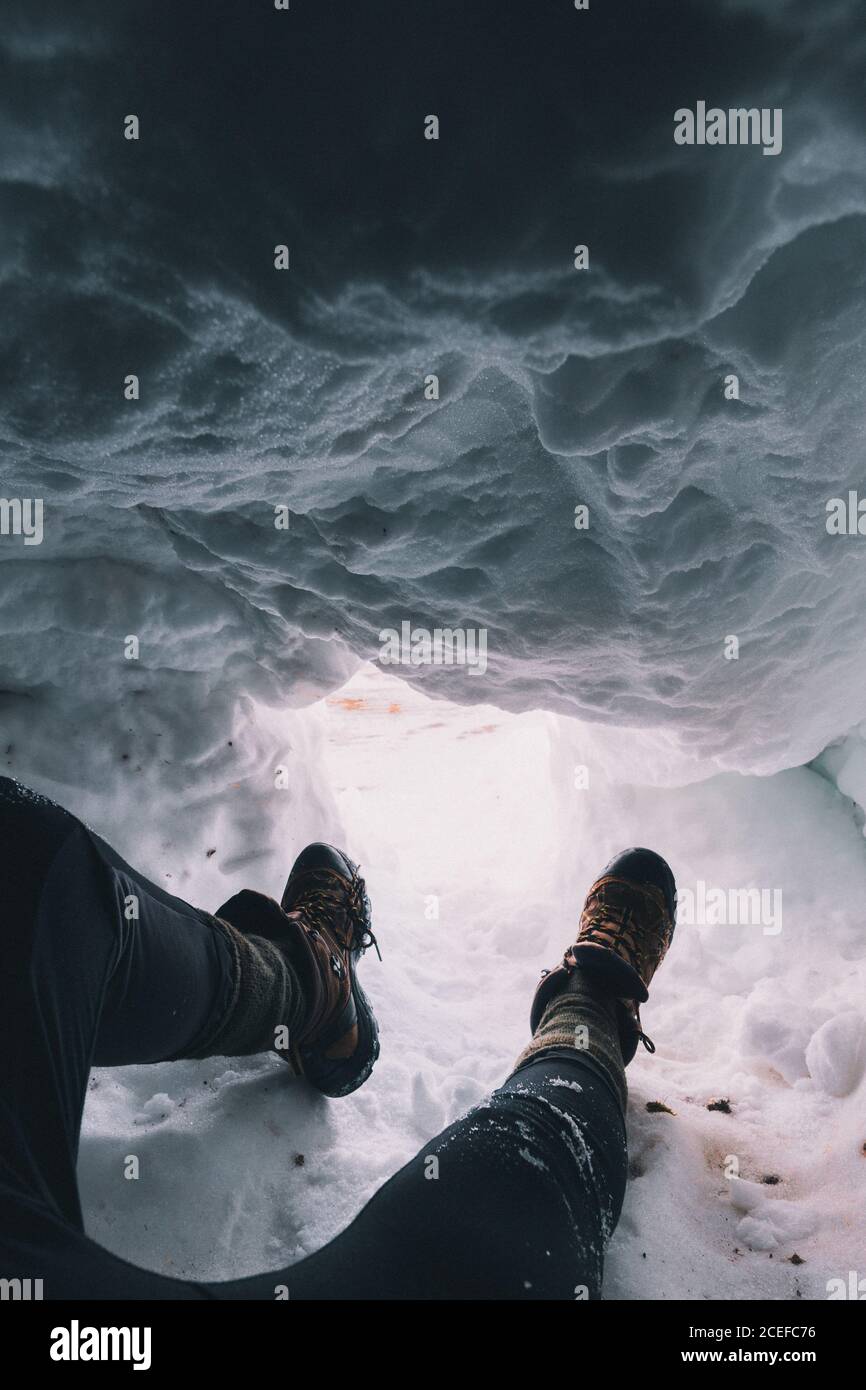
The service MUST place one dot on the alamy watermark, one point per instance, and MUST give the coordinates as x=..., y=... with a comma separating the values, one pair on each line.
x=77, y=1343
x=737, y=126
x=441, y=646
x=22, y=516
x=846, y=516
x=853, y=1287
x=21, y=1290
x=705, y=905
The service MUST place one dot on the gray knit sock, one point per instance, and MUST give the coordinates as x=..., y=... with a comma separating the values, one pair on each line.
x=582, y=1017
x=267, y=997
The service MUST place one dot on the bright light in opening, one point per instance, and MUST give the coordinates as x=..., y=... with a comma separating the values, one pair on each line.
x=436, y=794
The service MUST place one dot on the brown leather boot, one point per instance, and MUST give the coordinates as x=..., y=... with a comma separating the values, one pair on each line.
x=322, y=928
x=626, y=927
x=327, y=899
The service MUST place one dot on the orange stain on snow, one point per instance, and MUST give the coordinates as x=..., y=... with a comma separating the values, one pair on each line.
x=360, y=702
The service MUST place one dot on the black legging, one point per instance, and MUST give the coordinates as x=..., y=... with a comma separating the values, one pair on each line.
x=519, y=1202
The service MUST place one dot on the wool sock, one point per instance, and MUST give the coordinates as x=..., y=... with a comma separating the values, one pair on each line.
x=582, y=1017
x=267, y=994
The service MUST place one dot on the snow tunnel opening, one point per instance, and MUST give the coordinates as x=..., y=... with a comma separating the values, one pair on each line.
x=478, y=833
x=435, y=792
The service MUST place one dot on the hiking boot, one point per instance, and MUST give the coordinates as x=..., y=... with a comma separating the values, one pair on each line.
x=321, y=930
x=626, y=927
x=326, y=900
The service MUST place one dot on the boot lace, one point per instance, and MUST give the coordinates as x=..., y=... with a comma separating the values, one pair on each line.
x=642, y=935
x=327, y=895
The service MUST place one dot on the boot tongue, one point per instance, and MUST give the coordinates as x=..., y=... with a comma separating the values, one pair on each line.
x=611, y=907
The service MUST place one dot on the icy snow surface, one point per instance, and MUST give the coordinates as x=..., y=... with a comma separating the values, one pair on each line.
x=480, y=809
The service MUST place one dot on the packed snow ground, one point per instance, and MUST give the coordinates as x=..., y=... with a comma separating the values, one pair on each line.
x=475, y=815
